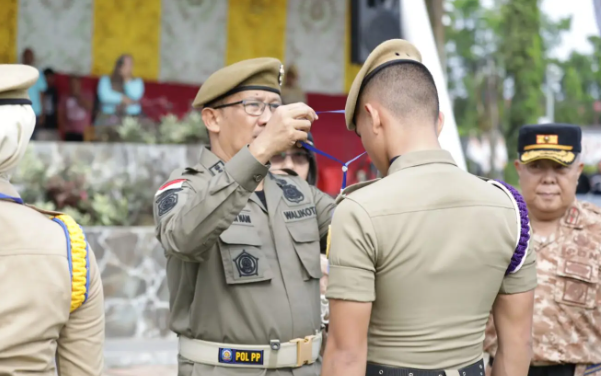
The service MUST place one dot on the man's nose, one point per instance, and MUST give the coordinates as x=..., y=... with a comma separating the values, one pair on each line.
x=288, y=162
x=549, y=176
x=265, y=116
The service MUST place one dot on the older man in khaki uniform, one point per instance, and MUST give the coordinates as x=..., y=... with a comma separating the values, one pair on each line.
x=567, y=244
x=419, y=257
x=52, y=306
x=242, y=243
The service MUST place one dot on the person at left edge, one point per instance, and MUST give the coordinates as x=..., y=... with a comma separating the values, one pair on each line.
x=52, y=304
x=242, y=244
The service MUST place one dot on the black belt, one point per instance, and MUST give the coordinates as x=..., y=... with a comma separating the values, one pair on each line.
x=552, y=370
x=476, y=369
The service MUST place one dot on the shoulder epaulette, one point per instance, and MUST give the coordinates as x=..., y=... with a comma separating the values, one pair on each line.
x=590, y=207
x=523, y=224
x=352, y=188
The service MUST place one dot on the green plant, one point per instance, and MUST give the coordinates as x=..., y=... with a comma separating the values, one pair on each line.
x=65, y=188
x=170, y=130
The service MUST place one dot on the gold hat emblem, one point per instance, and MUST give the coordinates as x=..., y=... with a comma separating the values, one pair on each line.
x=281, y=75
x=550, y=139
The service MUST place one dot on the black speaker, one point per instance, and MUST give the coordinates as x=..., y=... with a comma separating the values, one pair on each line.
x=373, y=22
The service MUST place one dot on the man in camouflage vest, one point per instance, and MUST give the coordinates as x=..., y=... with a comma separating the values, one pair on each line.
x=567, y=242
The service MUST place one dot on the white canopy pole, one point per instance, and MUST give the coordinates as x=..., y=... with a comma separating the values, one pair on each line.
x=416, y=28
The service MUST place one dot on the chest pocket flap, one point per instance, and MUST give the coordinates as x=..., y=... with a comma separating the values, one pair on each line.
x=242, y=235
x=577, y=282
x=306, y=243
x=243, y=260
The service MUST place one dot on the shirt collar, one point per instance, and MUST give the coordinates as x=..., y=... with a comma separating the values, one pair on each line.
x=7, y=189
x=208, y=158
x=577, y=217
x=422, y=157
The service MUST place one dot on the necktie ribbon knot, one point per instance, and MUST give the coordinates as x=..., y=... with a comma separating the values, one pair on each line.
x=344, y=164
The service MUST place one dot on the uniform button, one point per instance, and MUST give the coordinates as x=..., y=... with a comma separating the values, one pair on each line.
x=381, y=372
x=257, y=178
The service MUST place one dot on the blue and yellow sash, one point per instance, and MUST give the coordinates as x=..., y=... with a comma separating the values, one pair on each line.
x=79, y=260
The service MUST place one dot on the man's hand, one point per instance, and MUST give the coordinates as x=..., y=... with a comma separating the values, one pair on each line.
x=288, y=125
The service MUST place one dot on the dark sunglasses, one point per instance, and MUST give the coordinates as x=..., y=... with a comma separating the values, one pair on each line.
x=298, y=157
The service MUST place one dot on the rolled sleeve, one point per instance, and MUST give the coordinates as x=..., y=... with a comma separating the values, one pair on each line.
x=246, y=170
x=524, y=279
x=352, y=254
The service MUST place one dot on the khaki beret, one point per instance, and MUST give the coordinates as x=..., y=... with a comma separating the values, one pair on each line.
x=264, y=73
x=15, y=80
x=392, y=51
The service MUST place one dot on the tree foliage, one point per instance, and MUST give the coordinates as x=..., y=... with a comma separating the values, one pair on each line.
x=515, y=38
x=521, y=50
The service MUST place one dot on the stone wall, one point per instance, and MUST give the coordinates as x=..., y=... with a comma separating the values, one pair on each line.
x=100, y=183
x=132, y=264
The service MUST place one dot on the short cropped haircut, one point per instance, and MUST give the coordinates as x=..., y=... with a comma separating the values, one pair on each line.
x=407, y=90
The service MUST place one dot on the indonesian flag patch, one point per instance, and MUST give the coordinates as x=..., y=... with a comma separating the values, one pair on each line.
x=173, y=184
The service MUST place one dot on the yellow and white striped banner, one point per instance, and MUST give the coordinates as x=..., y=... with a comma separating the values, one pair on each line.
x=127, y=27
x=182, y=40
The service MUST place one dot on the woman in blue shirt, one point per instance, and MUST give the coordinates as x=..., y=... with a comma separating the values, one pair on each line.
x=120, y=93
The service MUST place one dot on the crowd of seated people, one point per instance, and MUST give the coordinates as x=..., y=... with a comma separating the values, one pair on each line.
x=75, y=108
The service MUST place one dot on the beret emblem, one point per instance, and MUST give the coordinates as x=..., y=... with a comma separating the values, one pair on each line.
x=281, y=75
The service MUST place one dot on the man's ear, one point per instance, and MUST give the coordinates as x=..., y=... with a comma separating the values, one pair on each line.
x=211, y=119
x=374, y=116
x=580, y=167
x=439, y=123
x=518, y=167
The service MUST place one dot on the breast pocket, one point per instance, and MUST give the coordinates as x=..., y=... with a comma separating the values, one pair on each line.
x=305, y=236
x=243, y=259
x=577, y=282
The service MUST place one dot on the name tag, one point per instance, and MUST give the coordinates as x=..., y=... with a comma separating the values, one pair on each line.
x=300, y=214
x=243, y=219
x=233, y=356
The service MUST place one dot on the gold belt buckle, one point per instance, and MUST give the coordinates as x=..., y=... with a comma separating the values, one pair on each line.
x=304, y=350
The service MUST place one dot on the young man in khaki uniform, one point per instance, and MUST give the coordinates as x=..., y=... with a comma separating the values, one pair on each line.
x=567, y=243
x=243, y=244
x=52, y=305
x=419, y=257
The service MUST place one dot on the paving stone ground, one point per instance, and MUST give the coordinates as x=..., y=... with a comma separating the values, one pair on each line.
x=143, y=371
x=140, y=357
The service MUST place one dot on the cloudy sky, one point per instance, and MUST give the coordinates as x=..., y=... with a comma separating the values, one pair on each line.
x=583, y=24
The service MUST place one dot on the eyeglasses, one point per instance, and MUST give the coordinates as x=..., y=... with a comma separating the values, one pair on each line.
x=298, y=157
x=252, y=107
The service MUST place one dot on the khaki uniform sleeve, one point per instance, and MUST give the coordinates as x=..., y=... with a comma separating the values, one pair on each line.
x=80, y=350
x=352, y=254
x=189, y=220
x=324, y=206
x=524, y=279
